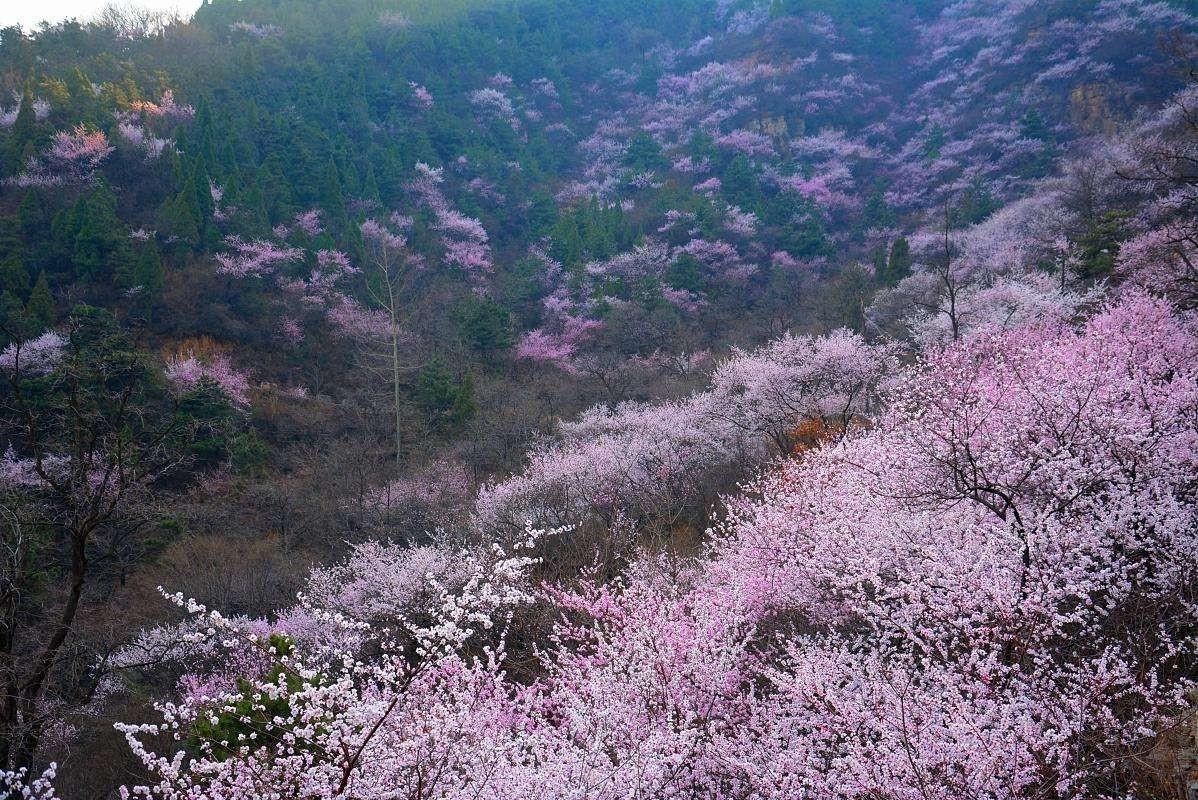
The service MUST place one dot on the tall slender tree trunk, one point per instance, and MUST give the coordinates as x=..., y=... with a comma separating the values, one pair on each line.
x=393, y=310
x=395, y=394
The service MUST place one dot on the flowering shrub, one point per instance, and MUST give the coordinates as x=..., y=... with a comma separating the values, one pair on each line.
x=988, y=592
x=187, y=373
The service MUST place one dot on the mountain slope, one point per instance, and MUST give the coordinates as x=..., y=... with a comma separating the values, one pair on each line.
x=422, y=272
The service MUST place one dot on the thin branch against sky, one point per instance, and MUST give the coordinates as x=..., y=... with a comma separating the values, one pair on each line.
x=30, y=14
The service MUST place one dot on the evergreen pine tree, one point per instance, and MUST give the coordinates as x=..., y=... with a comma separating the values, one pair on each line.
x=448, y=402
x=144, y=272
x=13, y=276
x=877, y=213
x=899, y=265
x=100, y=248
x=22, y=136
x=32, y=221
x=40, y=308
x=880, y=264
x=370, y=185
x=740, y=184
x=332, y=197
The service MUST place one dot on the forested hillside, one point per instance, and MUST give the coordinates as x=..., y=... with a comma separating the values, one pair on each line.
x=621, y=399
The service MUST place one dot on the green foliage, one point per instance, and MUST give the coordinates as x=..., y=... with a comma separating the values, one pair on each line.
x=701, y=147
x=332, y=197
x=485, y=325
x=12, y=317
x=106, y=361
x=13, y=276
x=31, y=217
x=249, y=716
x=104, y=401
x=446, y=400
x=877, y=213
x=898, y=265
x=975, y=205
x=188, y=213
x=542, y=212
x=740, y=183
x=804, y=235
x=644, y=153
x=934, y=140
x=1033, y=126
x=848, y=296
x=94, y=237
x=1097, y=249
x=211, y=423
x=521, y=290
x=248, y=452
x=142, y=277
x=878, y=259
x=23, y=137
x=566, y=242
x=40, y=308
x=685, y=272
x=590, y=232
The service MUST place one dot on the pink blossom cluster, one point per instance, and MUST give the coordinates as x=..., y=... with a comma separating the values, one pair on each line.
x=740, y=223
x=745, y=21
x=352, y=320
x=688, y=164
x=560, y=343
x=37, y=356
x=683, y=299
x=381, y=581
x=493, y=103
x=18, y=473
x=137, y=137
x=719, y=258
x=73, y=158
x=308, y=222
x=166, y=108
x=21, y=783
x=675, y=219
x=291, y=330
x=434, y=499
x=257, y=30
x=379, y=235
x=832, y=143
x=655, y=459
x=1153, y=161
x=747, y=142
x=980, y=58
x=540, y=345
x=485, y=189
x=394, y=19
x=646, y=260
x=464, y=239
x=425, y=663
x=784, y=260
x=256, y=258
x=545, y=88
x=987, y=592
x=422, y=96
x=217, y=193
x=827, y=188
x=8, y=116
x=188, y=373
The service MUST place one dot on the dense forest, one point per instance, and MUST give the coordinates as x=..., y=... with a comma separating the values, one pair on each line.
x=720, y=399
